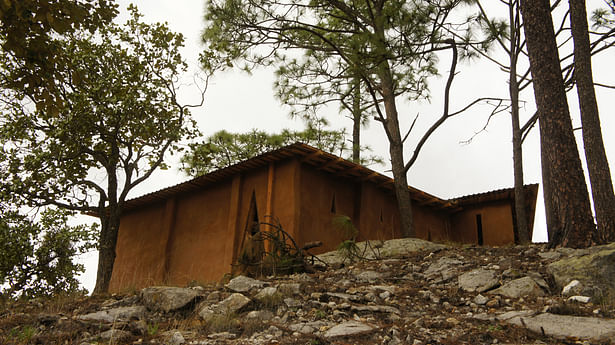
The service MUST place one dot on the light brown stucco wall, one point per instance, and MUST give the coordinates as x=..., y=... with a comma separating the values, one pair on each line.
x=317, y=194
x=497, y=224
x=140, y=249
x=379, y=215
x=195, y=251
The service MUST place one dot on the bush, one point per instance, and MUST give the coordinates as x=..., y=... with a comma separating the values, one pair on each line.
x=37, y=257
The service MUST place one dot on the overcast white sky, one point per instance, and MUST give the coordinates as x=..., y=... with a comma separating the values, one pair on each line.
x=238, y=102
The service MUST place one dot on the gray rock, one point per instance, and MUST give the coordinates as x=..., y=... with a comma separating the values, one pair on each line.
x=572, y=288
x=478, y=280
x=167, y=298
x=244, y=284
x=368, y=276
x=512, y=314
x=116, y=314
x=306, y=327
x=593, y=267
x=537, y=277
x=290, y=288
x=348, y=328
x=231, y=304
x=114, y=336
x=176, y=339
x=386, y=249
x=266, y=292
x=564, y=326
x=404, y=246
x=480, y=299
x=387, y=288
x=292, y=303
x=222, y=335
x=343, y=296
x=264, y=315
x=302, y=328
x=443, y=269
x=580, y=299
x=550, y=255
x=525, y=286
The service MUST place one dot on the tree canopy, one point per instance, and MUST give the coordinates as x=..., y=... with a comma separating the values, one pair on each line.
x=114, y=117
x=391, y=45
x=37, y=257
x=223, y=149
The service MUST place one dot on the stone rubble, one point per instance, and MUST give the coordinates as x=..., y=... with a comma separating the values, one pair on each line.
x=432, y=295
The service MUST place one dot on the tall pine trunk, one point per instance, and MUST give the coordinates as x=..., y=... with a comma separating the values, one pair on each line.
x=595, y=155
x=356, y=120
x=573, y=225
x=523, y=231
x=396, y=151
x=391, y=124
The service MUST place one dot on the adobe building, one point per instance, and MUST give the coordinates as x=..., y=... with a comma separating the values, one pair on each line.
x=194, y=231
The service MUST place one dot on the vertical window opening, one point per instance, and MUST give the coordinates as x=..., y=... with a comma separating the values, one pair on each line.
x=479, y=229
x=333, y=209
x=381, y=218
x=252, y=223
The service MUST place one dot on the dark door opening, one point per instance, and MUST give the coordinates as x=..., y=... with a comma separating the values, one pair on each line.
x=479, y=229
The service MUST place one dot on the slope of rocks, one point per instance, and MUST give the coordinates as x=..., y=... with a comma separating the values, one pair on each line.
x=409, y=292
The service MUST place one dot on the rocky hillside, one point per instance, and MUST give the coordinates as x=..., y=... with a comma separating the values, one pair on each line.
x=408, y=292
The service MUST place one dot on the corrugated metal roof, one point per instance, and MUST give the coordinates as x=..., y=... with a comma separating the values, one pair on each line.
x=307, y=154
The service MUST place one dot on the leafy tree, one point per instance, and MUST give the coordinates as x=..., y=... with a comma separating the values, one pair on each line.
x=115, y=119
x=595, y=154
x=27, y=31
x=37, y=258
x=223, y=149
x=392, y=44
x=569, y=216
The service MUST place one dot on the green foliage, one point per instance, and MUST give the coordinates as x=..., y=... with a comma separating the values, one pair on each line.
x=103, y=128
x=119, y=115
x=37, y=257
x=223, y=149
x=347, y=248
x=223, y=322
x=23, y=334
x=341, y=38
x=152, y=329
x=344, y=224
x=28, y=29
x=604, y=17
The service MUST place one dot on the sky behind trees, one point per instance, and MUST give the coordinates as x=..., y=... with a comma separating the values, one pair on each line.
x=448, y=165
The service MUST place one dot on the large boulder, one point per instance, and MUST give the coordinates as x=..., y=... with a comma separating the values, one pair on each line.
x=566, y=326
x=349, y=328
x=115, y=314
x=232, y=304
x=525, y=286
x=384, y=249
x=167, y=298
x=244, y=284
x=595, y=269
x=478, y=280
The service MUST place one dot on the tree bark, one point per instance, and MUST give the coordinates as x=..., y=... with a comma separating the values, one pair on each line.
x=110, y=224
x=595, y=155
x=356, y=121
x=573, y=226
x=523, y=231
x=396, y=150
